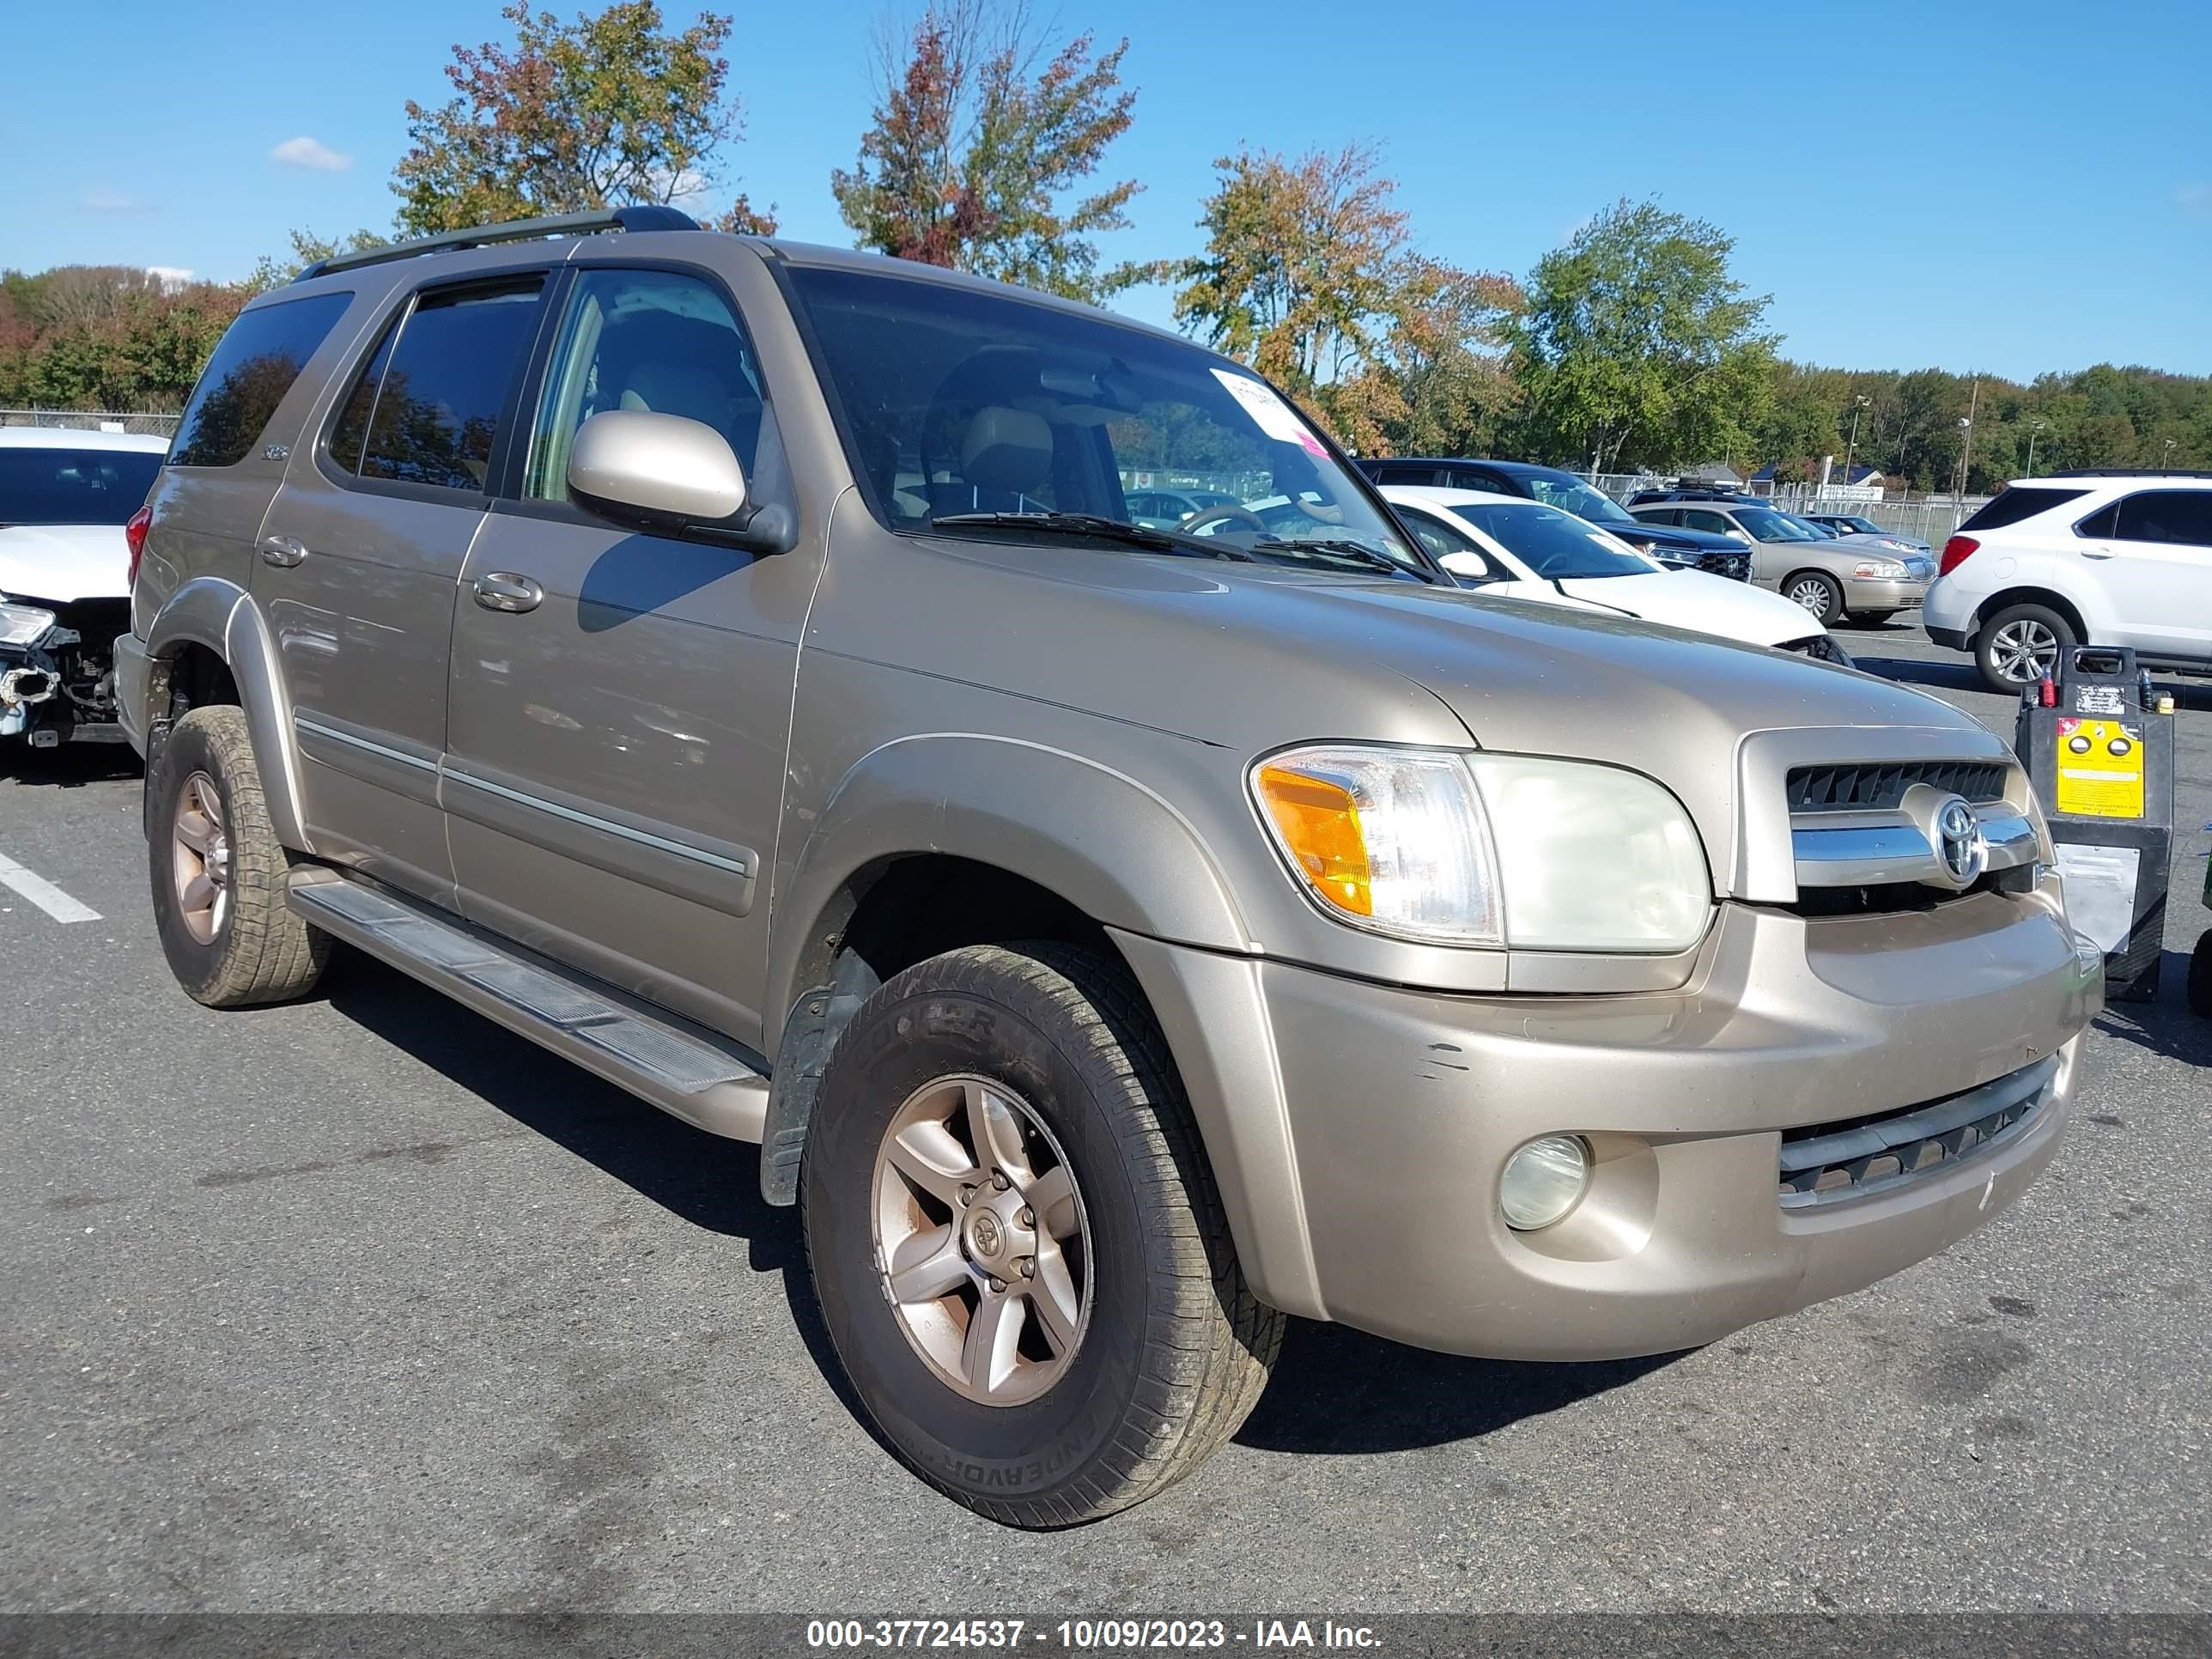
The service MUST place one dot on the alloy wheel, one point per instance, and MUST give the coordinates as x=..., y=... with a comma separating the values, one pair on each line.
x=2023, y=650
x=981, y=1240
x=200, y=858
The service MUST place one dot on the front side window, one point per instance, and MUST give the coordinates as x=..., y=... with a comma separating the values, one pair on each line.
x=1441, y=538
x=441, y=386
x=40, y=486
x=1556, y=546
x=2178, y=517
x=658, y=341
x=959, y=405
x=252, y=369
x=1711, y=523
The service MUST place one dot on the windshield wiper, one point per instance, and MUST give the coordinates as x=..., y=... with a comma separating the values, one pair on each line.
x=1092, y=524
x=1343, y=547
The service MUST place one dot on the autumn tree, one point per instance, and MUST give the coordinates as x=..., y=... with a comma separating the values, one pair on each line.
x=1637, y=347
x=983, y=142
x=605, y=112
x=1310, y=276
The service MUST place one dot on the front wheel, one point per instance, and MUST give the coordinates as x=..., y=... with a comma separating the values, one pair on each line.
x=2021, y=644
x=1020, y=1254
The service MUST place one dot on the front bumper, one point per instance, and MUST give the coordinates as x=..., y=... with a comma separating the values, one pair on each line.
x=1399, y=1109
x=1860, y=594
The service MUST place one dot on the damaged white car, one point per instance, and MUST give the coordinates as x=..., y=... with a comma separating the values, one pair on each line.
x=66, y=499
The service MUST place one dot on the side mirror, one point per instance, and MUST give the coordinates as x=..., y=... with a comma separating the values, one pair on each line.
x=1469, y=567
x=671, y=477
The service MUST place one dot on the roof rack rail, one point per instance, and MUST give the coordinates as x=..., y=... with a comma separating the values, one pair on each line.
x=643, y=217
x=2123, y=472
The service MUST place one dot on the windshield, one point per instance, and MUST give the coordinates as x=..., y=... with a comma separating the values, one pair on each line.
x=74, y=486
x=1571, y=494
x=1555, y=545
x=1768, y=525
x=962, y=401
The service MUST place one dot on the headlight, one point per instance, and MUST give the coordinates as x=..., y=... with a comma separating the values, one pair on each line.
x=1487, y=849
x=20, y=624
x=1884, y=570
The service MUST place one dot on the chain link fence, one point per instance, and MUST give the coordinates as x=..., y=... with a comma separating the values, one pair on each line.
x=92, y=419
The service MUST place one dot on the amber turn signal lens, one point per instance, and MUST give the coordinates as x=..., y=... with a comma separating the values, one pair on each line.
x=1318, y=823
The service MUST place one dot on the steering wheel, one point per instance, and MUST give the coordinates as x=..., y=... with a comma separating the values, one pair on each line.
x=1223, y=513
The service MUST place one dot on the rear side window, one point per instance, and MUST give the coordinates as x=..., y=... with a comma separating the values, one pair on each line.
x=427, y=408
x=1398, y=472
x=2017, y=501
x=252, y=370
x=2181, y=517
x=1466, y=478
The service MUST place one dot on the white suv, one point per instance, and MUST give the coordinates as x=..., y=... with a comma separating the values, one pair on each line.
x=2093, y=558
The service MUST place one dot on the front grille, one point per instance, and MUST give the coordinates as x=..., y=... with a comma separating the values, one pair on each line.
x=1877, y=786
x=1736, y=567
x=1824, y=1163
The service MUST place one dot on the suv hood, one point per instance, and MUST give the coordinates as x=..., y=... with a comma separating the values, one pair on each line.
x=64, y=563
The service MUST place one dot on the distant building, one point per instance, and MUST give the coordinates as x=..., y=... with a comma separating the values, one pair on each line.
x=1854, y=478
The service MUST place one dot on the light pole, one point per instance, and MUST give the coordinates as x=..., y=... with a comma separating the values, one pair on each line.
x=2167, y=462
x=1966, y=455
x=1851, y=452
x=2033, y=427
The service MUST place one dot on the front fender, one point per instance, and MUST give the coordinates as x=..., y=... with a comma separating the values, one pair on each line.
x=221, y=616
x=1109, y=845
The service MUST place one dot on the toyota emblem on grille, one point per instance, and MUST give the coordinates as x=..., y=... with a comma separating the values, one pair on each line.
x=1959, y=843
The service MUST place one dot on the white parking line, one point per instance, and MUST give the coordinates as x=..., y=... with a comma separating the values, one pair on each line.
x=43, y=893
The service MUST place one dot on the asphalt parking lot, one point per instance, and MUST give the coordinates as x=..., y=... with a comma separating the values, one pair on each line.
x=363, y=1304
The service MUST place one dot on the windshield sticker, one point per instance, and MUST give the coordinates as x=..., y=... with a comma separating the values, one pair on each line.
x=1270, y=413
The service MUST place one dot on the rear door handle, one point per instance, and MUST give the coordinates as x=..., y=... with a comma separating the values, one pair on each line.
x=502, y=590
x=282, y=551
x=2097, y=552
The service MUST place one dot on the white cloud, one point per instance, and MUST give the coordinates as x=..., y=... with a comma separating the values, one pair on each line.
x=2194, y=199
x=114, y=201
x=171, y=277
x=306, y=152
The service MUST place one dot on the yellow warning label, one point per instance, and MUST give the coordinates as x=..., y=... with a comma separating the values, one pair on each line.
x=2100, y=770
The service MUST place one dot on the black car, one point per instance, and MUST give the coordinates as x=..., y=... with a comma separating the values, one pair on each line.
x=1682, y=549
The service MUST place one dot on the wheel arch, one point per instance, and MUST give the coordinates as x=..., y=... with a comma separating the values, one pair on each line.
x=210, y=643
x=2029, y=593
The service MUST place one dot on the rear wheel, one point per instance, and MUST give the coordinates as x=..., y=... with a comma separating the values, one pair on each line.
x=1020, y=1254
x=2020, y=646
x=218, y=871
x=1818, y=593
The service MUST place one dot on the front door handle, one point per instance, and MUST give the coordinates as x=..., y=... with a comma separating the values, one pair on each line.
x=282, y=551
x=2097, y=552
x=502, y=590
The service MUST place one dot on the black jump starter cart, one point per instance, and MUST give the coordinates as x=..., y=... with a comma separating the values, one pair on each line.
x=2097, y=739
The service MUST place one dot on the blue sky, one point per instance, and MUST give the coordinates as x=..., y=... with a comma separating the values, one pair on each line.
x=2009, y=187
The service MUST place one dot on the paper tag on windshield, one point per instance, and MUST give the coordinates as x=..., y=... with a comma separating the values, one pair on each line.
x=1270, y=413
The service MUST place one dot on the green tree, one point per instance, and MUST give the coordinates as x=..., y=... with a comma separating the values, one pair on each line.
x=1637, y=347
x=981, y=143
x=605, y=111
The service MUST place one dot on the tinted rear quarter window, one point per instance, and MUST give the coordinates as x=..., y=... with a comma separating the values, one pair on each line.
x=247, y=377
x=2017, y=501
x=2177, y=517
x=446, y=387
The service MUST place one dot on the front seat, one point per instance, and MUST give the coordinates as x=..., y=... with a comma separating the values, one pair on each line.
x=1005, y=460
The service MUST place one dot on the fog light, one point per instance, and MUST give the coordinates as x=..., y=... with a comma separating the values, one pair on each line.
x=1543, y=1181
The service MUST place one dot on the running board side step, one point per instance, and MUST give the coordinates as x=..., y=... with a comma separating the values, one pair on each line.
x=670, y=1065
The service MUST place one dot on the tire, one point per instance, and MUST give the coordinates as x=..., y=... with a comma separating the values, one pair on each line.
x=244, y=946
x=2015, y=634
x=1171, y=1349
x=1870, y=618
x=1819, y=593
x=2200, y=977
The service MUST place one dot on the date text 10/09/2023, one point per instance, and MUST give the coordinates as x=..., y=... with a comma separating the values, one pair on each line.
x=1087, y=1635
